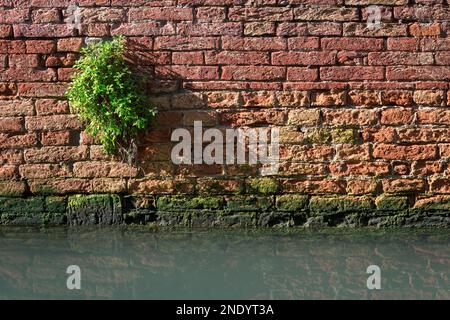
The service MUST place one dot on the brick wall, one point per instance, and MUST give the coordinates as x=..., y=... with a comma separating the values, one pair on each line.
x=363, y=112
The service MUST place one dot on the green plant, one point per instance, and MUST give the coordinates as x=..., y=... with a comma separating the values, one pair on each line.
x=109, y=98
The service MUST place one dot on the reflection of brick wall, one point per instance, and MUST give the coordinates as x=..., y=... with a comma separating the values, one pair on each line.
x=362, y=112
x=230, y=266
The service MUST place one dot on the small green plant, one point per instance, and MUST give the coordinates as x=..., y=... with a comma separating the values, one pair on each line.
x=109, y=98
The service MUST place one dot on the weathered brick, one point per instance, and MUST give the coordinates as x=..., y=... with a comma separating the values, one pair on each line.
x=352, y=73
x=103, y=169
x=425, y=30
x=429, y=97
x=55, y=154
x=253, y=73
x=11, y=124
x=236, y=57
x=350, y=117
x=254, y=43
x=53, y=122
x=55, y=138
x=302, y=117
x=314, y=187
x=385, y=30
x=259, y=28
x=399, y=152
x=352, y=44
x=399, y=58
x=404, y=185
x=326, y=13
x=42, y=171
x=397, y=116
x=418, y=73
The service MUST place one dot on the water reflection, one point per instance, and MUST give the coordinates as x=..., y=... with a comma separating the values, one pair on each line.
x=198, y=264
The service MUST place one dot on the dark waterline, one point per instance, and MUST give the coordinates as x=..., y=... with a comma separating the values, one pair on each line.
x=232, y=264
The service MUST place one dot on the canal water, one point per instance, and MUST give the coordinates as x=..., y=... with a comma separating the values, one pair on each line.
x=116, y=263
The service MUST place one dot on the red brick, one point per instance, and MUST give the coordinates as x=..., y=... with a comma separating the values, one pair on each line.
x=12, y=188
x=210, y=14
x=428, y=168
x=103, y=169
x=359, y=169
x=151, y=186
x=42, y=30
x=254, y=43
x=293, y=98
x=253, y=118
x=60, y=186
x=440, y=185
x=53, y=122
x=253, y=73
x=11, y=124
x=8, y=172
x=435, y=44
x=425, y=30
x=350, y=117
x=56, y=154
x=18, y=141
x=55, y=138
x=379, y=135
x=23, y=60
x=40, y=46
x=5, y=31
x=364, y=98
x=424, y=135
x=351, y=73
x=260, y=14
x=304, y=117
x=41, y=89
x=329, y=98
x=326, y=13
x=399, y=58
x=402, y=44
x=303, y=58
x=11, y=157
x=98, y=15
x=109, y=185
x=385, y=30
x=352, y=44
x=399, y=152
x=404, y=185
x=358, y=187
x=418, y=73
x=314, y=187
x=258, y=99
x=13, y=16
x=236, y=57
x=45, y=15
x=433, y=116
x=259, y=28
x=302, y=74
x=397, y=97
x=13, y=108
x=209, y=29
x=429, y=97
x=69, y=45
x=41, y=171
x=397, y=116
x=310, y=153
x=223, y=99
x=180, y=43
x=194, y=57
x=187, y=72
x=353, y=152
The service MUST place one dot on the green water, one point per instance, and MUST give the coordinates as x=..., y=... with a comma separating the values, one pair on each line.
x=235, y=264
